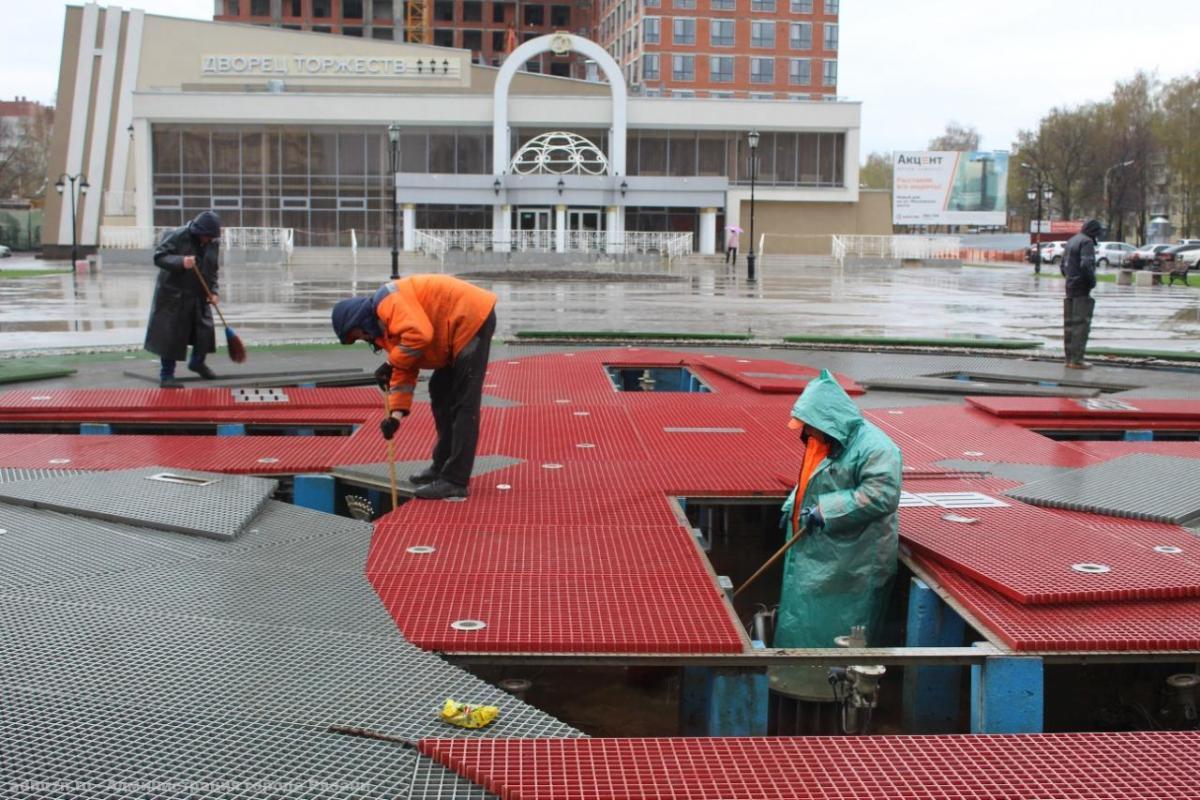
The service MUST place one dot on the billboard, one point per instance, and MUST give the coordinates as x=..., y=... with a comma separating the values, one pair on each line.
x=950, y=188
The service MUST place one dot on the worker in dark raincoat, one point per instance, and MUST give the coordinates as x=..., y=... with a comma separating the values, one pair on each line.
x=838, y=575
x=180, y=314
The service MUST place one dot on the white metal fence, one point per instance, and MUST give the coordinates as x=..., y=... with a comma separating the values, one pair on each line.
x=127, y=237
x=436, y=242
x=892, y=247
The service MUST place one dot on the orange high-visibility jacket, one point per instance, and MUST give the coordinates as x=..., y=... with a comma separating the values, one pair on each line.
x=427, y=320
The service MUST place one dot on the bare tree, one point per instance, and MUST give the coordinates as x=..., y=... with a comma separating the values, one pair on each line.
x=957, y=136
x=1179, y=133
x=877, y=172
x=24, y=153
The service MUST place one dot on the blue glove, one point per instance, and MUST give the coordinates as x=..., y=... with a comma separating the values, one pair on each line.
x=811, y=518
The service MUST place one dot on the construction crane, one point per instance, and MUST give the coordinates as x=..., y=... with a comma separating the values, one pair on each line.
x=417, y=23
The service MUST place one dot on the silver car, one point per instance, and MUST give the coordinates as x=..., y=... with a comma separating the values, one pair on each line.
x=1113, y=254
x=5, y=251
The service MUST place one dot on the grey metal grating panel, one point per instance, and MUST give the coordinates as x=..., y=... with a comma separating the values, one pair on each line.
x=217, y=510
x=55, y=747
x=1026, y=473
x=376, y=474
x=10, y=474
x=1139, y=486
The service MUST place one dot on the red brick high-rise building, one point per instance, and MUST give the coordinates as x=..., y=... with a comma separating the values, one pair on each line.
x=768, y=49
x=488, y=28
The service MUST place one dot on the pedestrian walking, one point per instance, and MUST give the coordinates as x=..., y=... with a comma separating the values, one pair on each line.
x=1079, y=268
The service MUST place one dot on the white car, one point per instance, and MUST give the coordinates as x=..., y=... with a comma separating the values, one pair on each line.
x=5, y=251
x=1113, y=254
x=1191, y=258
x=1052, y=252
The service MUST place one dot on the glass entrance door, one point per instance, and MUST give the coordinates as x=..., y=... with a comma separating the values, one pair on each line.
x=532, y=229
x=585, y=229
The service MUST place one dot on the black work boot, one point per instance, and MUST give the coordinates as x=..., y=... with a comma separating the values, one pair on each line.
x=427, y=475
x=440, y=490
x=170, y=382
x=203, y=371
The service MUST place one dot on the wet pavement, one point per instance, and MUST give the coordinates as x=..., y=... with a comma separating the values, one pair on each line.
x=267, y=304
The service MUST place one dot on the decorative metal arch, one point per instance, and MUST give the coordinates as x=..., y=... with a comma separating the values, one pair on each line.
x=559, y=153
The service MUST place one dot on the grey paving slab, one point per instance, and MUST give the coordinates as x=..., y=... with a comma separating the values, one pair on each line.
x=219, y=507
x=1026, y=473
x=1140, y=486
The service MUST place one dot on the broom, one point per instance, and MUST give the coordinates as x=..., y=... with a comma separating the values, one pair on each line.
x=237, y=350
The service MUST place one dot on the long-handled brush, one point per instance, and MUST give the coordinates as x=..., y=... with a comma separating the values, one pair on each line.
x=237, y=350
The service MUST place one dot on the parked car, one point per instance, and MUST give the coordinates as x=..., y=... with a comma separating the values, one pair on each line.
x=1144, y=257
x=1187, y=255
x=1178, y=258
x=1113, y=254
x=5, y=251
x=1052, y=252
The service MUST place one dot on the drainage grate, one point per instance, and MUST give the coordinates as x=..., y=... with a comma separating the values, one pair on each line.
x=1140, y=486
x=259, y=395
x=949, y=500
x=219, y=509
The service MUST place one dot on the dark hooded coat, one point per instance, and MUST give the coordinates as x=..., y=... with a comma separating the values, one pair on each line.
x=180, y=314
x=1079, y=260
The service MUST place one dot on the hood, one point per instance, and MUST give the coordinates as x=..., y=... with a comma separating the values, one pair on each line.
x=355, y=312
x=1093, y=228
x=207, y=224
x=825, y=406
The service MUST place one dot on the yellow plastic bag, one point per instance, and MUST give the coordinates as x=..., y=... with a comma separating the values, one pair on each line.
x=465, y=716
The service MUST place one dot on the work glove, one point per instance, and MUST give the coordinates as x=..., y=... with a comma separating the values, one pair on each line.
x=388, y=427
x=383, y=377
x=811, y=518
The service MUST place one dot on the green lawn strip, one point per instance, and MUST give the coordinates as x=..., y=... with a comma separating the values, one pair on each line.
x=638, y=335
x=904, y=341
x=20, y=370
x=1101, y=277
x=1166, y=355
x=30, y=273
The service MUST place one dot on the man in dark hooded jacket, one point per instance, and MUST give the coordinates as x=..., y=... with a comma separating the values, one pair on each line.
x=1079, y=268
x=180, y=314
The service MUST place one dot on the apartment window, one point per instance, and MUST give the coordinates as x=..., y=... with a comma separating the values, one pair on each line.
x=650, y=67
x=800, y=36
x=352, y=31
x=443, y=11
x=382, y=9
x=560, y=16
x=473, y=40
x=720, y=32
x=683, y=30
x=499, y=12
x=351, y=9
x=720, y=69
x=560, y=69
x=498, y=41
x=832, y=6
x=443, y=38
x=652, y=30
x=535, y=15
x=297, y=8
x=800, y=71
x=379, y=32
x=831, y=36
x=262, y=8
x=762, y=34
x=232, y=9
x=683, y=3
x=321, y=8
x=723, y=5
x=683, y=68
x=684, y=93
x=533, y=65
x=830, y=73
x=762, y=96
x=652, y=3
x=762, y=70
x=472, y=11
x=721, y=96
x=801, y=6
x=763, y=5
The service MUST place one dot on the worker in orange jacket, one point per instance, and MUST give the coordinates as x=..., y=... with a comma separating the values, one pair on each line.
x=430, y=322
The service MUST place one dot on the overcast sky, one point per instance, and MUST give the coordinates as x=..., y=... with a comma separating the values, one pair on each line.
x=914, y=65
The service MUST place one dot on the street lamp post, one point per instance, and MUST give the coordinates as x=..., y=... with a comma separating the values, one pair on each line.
x=59, y=187
x=1108, y=172
x=1036, y=194
x=752, y=138
x=394, y=140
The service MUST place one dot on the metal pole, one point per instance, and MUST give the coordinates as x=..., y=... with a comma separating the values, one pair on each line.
x=750, y=257
x=74, y=235
x=395, y=233
x=1037, y=233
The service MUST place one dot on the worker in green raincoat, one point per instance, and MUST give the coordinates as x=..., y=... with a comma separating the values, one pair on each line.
x=839, y=573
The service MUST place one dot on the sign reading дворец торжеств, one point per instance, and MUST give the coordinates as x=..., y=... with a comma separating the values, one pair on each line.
x=278, y=66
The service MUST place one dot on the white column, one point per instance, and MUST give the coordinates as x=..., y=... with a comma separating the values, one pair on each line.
x=78, y=121
x=143, y=195
x=89, y=223
x=501, y=227
x=410, y=228
x=560, y=228
x=708, y=231
x=612, y=229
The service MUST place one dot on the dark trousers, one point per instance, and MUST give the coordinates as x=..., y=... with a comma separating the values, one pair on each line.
x=1077, y=324
x=167, y=365
x=731, y=253
x=455, y=395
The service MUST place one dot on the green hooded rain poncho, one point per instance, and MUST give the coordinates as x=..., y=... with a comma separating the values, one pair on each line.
x=839, y=576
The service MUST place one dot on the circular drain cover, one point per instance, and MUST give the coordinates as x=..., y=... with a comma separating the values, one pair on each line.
x=60, y=461
x=1092, y=569
x=268, y=460
x=585, y=445
x=1169, y=549
x=504, y=487
x=959, y=518
x=972, y=452
x=421, y=549
x=468, y=625
x=1183, y=680
x=552, y=466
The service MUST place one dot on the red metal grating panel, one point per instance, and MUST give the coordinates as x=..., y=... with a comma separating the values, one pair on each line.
x=490, y=505
x=77, y=400
x=773, y=377
x=1079, y=766
x=644, y=613
x=569, y=431
x=1100, y=408
x=1028, y=553
x=1082, y=627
